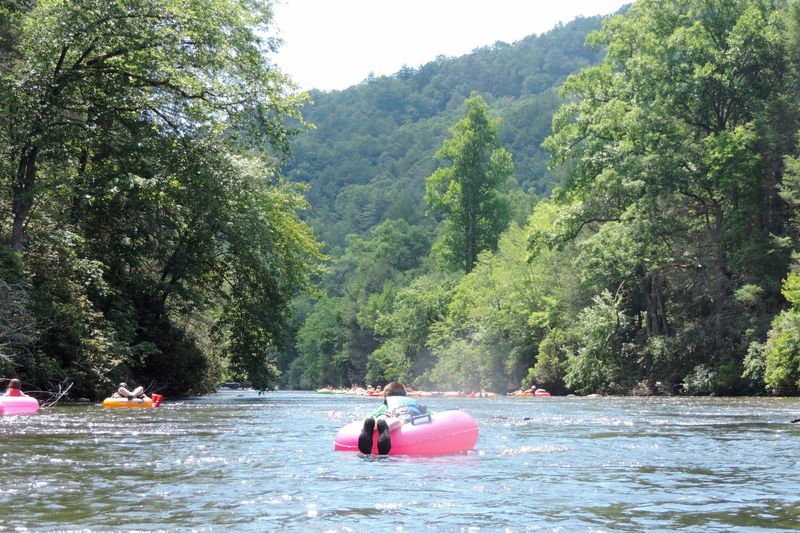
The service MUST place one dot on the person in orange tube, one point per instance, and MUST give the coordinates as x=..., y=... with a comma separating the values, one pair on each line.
x=123, y=392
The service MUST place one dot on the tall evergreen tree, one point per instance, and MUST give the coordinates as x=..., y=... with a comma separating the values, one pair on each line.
x=467, y=192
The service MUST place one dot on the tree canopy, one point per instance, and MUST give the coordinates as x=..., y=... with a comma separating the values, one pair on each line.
x=148, y=231
x=467, y=192
x=664, y=260
x=160, y=182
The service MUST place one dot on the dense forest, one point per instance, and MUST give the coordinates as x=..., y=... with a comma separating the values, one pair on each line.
x=373, y=145
x=609, y=207
x=642, y=242
x=148, y=235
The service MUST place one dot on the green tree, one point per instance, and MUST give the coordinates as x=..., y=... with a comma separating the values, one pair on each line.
x=322, y=346
x=89, y=68
x=146, y=135
x=402, y=317
x=672, y=147
x=777, y=361
x=499, y=314
x=18, y=326
x=602, y=361
x=337, y=338
x=781, y=353
x=467, y=193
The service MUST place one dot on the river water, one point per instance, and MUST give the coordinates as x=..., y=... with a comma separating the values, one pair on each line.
x=243, y=462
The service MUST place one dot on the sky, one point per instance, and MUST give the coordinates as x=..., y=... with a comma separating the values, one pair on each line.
x=333, y=44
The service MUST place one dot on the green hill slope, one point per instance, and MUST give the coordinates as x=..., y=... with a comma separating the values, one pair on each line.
x=373, y=143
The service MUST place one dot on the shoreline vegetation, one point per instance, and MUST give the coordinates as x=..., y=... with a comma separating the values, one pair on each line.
x=654, y=252
x=610, y=207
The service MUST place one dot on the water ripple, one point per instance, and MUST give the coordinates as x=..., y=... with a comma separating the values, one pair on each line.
x=242, y=461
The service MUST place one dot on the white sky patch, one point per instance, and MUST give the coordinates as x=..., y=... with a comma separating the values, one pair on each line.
x=333, y=44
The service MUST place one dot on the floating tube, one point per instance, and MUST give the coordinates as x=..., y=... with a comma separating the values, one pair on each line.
x=441, y=433
x=126, y=403
x=155, y=401
x=539, y=392
x=18, y=405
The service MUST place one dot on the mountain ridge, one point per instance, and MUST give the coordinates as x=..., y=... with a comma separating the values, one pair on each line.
x=388, y=128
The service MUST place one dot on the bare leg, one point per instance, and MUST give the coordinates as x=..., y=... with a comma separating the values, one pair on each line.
x=393, y=423
x=125, y=393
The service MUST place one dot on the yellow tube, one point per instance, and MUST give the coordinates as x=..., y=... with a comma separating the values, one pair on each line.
x=124, y=402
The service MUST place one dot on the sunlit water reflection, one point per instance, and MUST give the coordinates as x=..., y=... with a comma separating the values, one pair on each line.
x=240, y=461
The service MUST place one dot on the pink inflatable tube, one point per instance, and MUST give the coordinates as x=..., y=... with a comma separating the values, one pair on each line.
x=18, y=405
x=446, y=432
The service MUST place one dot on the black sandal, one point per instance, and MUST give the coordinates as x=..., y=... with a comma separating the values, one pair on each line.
x=384, y=440
x=365, y=438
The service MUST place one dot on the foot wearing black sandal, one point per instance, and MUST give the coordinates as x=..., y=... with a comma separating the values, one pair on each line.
x=365, y=438
x=384, y=440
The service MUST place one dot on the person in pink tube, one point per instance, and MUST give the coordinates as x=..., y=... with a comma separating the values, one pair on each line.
x=14, y=388
x=397, y=409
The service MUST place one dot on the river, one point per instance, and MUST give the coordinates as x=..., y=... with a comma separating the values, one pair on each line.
x=239, y=461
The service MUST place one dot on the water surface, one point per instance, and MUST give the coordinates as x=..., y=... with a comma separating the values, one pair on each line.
x=244, y=462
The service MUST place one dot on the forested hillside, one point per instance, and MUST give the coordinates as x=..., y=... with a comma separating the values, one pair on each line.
x=657, y=256
x=373, y=144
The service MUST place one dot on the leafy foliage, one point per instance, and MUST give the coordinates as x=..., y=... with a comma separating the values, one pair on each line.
x=673, y=144
x=339, y=334
x=496, y=316
x=151, y=236
x=467, y=193
x=780, y=355
x=656, y=267
x=379, y=137
x=155, y=239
